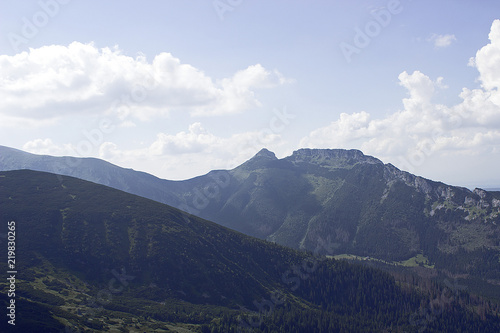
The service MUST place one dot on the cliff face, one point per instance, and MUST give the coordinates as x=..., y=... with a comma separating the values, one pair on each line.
x=336, y=158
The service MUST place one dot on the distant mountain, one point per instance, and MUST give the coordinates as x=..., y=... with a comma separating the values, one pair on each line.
x=92, y=258
x=355, y=202
x=91, y=169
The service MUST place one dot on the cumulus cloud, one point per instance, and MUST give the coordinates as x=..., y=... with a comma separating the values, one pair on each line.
x=441, y=41
x=48, y=147
x=487, y=61
x=419, y=86
x=423, y=127
x=54, y=81
x=195, y=140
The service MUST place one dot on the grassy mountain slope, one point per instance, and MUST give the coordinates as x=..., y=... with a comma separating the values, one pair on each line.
x=362, y=207
x=94, y=170
x=355, y=202
x=92, y=258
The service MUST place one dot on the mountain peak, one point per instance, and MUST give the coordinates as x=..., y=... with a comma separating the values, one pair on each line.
x=266, y=154
x=259, y=160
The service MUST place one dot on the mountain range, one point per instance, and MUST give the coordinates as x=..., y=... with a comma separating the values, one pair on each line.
x=90, y=258
x=359, y=206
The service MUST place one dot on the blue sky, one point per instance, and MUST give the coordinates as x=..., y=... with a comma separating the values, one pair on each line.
x=177, y=88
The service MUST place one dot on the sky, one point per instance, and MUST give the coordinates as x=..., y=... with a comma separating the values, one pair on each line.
x=177, y=88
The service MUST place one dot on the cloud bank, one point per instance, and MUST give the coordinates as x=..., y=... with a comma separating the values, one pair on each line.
x=56, y=81
x=423, y=128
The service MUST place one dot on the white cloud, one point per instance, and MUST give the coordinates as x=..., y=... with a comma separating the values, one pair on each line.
x=423, y=127
x=442, y=40
x=108, y=150
x=47, y=147
x=196, y=140
x=12, y=121
x=348, y=129
x=487, y=61
x=54, y=81
x=420, y=87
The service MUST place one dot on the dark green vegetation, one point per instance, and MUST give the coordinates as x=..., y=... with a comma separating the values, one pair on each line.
x=362, y=207
x=91, y=169
x=354, y=202
x=92, y=258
